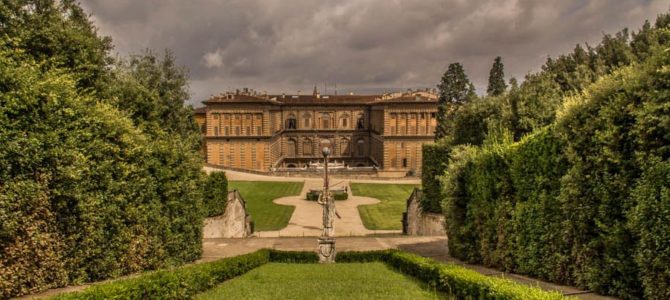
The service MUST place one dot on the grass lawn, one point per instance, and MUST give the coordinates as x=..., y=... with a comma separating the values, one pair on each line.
x=388, y=213
x=259, y=195
x=321, y=281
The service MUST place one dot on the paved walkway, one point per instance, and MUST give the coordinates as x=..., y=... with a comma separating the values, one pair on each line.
x=307, y=216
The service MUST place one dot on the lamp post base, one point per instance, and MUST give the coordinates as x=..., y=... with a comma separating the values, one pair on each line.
x=326, y=250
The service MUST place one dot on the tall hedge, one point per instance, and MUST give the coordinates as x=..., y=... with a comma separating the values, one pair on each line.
x=84, y=194
x=583, y=201
x=215, y=194
x=433, y=162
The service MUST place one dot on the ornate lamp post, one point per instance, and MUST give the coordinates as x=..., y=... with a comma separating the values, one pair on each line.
x=327, y=239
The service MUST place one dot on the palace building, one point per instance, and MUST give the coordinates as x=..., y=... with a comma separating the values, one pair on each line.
x=383, y=134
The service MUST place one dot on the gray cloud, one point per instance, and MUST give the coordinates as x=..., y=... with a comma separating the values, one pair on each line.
x=362, y=45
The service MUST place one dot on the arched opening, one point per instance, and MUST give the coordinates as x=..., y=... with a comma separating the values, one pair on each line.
x=360, y=165
x=307, y=147
x=360, y=147
x=290, y=148
x=291, y=122
x=291, y=166
x=344, y=147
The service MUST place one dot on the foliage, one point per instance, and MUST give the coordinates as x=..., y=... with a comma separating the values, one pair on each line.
x=337, y=195
x=497, y=84
x=59, y=34
x=434, y=161
x=295, y=257
x=462, y=283
x=176, y=283
x=455, y=89
x=386, y=215
x=259, y=196
x=89, y=188
x=215, y=194
x=558, y=204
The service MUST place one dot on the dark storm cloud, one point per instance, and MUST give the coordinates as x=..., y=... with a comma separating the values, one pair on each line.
x=362, y=45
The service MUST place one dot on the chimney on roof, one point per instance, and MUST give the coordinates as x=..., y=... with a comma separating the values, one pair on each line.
x=315, y=92
x=237, y=91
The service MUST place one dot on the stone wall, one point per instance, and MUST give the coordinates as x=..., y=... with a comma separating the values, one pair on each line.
x=417, y=222
x=233, y=223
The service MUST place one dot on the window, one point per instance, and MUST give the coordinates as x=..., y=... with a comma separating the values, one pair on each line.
x=216, y=131
x=307, y=120
x=237, y=116
x=259, y=130
x=226, y=116
x=344, y=147
x=325, y=121
x=393, y=116
x=247, y=116
x=307, y=147
x=216, y=116
x=345, y=122
x=290, y=146
x=248, y=130
x=422, y=115
x=237, y=130
x=360, y=147
x=225, y=129
x=404, y=162
x=432, y=115
x=360, y=122
x=291, y=122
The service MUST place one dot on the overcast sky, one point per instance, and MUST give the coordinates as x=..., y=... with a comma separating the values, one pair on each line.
x=363, y=46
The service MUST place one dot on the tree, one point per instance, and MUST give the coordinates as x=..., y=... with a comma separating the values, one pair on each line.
x=497, y=84
x=455, y=89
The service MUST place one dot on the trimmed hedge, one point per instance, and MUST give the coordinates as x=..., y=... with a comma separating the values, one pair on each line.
x=583, y=201
x=187, y=281
x=216, y=194
x=176, y=283
x=435, y=157
x=337, y=196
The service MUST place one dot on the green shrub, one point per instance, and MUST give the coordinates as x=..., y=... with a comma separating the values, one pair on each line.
x=559, y=204
x=461, y=282
x=337, y=195
x=176, y=283
x=435, y=157
x=216, y=194
x=300, y=257
x=362, y=256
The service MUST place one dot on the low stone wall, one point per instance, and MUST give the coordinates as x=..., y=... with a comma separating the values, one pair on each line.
x=235, y=222
x=417, y=222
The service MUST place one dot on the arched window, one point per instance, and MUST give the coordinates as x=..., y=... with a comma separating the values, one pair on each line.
x=360, y=121
x=291, y=122
x=360, y=147
x=307, y=120
x=344, y=147
x=290, y=148
x=307, y=147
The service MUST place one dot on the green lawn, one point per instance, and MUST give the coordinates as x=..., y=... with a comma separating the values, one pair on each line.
x=321, y=281
x=388, y=213
x=259, y=195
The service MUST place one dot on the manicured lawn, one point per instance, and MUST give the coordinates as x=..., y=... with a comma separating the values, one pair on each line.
x=321, y=281
x=388, y=213
x=259, y=195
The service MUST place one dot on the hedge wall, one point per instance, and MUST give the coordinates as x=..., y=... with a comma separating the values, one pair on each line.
x=215, y=194
x=185, y=282
x=434, y=161
x=84, y=194
x=583, y=201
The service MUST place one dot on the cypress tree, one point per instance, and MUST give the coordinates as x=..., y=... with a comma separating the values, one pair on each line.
x=497, y=84
x=455, y=89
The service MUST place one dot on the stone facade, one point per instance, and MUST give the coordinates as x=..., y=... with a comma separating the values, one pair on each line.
x=247, y=130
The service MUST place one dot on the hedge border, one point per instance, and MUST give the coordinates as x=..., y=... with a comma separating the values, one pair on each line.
x=187, y=281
